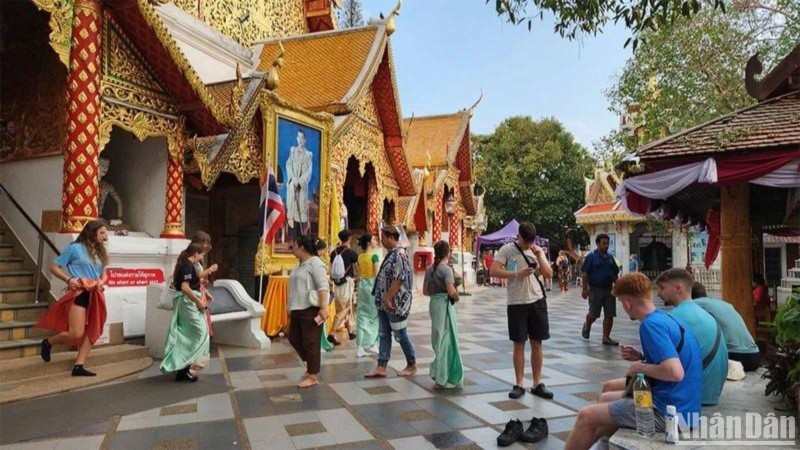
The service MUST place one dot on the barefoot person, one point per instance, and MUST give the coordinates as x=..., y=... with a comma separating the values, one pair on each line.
x=446, y=369
x=308, y=303
x=80, y=315
x=393, y=297
x=366, y=311
x=187, y=341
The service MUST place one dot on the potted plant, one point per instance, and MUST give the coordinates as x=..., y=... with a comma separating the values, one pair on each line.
x=783, y=359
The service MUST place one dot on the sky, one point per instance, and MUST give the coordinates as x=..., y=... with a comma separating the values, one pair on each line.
x=446, y=51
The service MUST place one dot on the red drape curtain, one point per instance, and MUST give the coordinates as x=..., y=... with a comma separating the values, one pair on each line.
x=714, y=228
x=741, y=168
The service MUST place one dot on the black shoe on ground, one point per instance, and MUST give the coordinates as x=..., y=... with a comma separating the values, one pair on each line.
x=333, y=340
x=585, y=331
x=352, y=336
x=45, y=351
x=541, y=391
x=610, y=342
x=79, y=371
x=511, y=434
x=535, y=432
x=185, y=375
x=516, y=392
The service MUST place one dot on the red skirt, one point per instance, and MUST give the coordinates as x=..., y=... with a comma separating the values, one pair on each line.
x=57, y=317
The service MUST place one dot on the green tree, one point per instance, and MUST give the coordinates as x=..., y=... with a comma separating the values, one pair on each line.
x=532, y=170
x=351, y=15
x=692, y=71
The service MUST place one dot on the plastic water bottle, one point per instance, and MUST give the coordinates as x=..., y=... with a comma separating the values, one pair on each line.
x=671, y=425
x=643, y=399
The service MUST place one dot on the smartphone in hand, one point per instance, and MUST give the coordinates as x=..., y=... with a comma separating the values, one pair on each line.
x=319, y=319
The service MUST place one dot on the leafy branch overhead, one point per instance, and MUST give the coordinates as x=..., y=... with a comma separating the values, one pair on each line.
x=590, y=16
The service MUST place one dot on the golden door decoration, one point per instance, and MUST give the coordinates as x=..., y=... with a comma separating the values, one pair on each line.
x=297, y=145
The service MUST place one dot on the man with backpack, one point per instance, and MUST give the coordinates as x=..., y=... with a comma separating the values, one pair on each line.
x=344, y=271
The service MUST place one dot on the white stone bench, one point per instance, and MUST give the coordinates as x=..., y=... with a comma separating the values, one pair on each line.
x=236, y=318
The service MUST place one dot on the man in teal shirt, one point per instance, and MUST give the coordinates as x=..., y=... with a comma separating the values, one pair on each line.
x=738, y=340
x=675, y=288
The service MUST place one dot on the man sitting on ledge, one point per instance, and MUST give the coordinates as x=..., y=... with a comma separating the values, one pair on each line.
x=672, y=364
x=738, y=340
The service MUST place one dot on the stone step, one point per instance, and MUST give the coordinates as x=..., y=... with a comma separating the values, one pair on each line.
x=21, y=330
x=18, y=294
x=6, y=249
x=61, y=381
x=21, y=369
x=22, y=312
x=16, y=278
x=10, y=263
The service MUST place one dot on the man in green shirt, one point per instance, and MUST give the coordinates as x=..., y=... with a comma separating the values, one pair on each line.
x=740, y=343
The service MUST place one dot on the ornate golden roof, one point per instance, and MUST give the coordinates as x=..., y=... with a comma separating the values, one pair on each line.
x=322, y=71
x=433, y=141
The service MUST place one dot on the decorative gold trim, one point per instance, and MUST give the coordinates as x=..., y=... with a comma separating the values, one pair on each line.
x=142, y=124
x=273, y=108
x=173, y=230
x=60, y=23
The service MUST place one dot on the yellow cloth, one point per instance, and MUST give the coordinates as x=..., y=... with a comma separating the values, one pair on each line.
x=366, y=266
x=276, y=318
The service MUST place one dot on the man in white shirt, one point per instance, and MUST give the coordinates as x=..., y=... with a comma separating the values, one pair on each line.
x=518, y=262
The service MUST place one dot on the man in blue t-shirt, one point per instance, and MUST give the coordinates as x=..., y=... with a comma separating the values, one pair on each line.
x=675, y=288
x=672, y=363
x=599, y=271
x=740, y=343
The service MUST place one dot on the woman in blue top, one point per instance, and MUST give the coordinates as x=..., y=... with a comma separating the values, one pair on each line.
x=84, y=259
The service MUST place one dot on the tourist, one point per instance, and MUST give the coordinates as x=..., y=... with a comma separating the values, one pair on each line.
x=392, y=293
x=488, y=258
x=308, y=306
x=344, y=287
x=675, y=288
x=598, y=274
x=446, y=369
x=366, y=311
x=562, y=263
x=633, y=264
x=187, y=343
x=80, y=315
x=527, y=304
x=760, y=297
x=739, y=342
x=672, y=362
x=204, y=240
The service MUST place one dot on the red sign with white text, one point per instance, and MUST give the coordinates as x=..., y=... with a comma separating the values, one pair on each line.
x=134, y=277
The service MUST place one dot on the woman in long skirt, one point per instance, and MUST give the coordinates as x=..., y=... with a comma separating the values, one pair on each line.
x=308, y=302
x=80, y=315
x=562, y=263
x=187, y=340
x=366, y=311
x=447, y=369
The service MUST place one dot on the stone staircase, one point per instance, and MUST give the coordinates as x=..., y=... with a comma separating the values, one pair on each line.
x=18, y=311
x=790, y=282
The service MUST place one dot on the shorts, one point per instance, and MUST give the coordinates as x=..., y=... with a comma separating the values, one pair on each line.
x=601, y=298
x=623, y=414
x=528, y=321
x=82, y=300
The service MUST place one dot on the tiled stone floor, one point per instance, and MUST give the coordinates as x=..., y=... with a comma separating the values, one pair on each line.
x=262, y=409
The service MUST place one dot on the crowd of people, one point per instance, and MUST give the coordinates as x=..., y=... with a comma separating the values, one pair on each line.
x=687, y=353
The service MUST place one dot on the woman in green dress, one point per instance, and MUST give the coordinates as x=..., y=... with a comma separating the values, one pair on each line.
x=366, y=311
x=187, y=340
x=446, y=369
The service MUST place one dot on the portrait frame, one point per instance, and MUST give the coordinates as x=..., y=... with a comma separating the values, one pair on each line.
x=276, y=112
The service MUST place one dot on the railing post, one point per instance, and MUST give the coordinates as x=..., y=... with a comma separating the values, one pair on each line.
x=37, y=277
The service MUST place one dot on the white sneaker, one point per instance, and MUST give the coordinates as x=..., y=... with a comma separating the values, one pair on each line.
x=361, y=352
x=374, y=349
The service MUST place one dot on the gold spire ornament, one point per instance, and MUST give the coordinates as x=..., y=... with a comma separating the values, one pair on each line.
x=474, y=105
x=272, y=78
x=391, y=27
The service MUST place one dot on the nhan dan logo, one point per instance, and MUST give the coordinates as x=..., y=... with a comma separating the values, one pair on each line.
x=752, y=429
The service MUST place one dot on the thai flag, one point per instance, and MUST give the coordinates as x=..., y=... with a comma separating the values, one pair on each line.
x=271, y=210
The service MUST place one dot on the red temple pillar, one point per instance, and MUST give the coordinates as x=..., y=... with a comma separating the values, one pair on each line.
x=173, y=214
x=437, y=217
x=80, y=188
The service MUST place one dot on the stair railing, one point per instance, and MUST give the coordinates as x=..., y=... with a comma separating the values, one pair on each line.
x=42, y=240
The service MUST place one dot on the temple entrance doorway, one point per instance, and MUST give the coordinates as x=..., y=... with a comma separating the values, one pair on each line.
x=354, y=193
x=132, y=181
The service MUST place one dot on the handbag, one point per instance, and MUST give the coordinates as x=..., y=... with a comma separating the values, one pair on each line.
x=166, y=301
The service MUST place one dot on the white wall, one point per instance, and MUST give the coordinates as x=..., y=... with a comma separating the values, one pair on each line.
x=36, y=185
x=139, y=173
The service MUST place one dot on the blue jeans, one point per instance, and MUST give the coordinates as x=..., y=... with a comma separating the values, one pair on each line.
x=385, y=335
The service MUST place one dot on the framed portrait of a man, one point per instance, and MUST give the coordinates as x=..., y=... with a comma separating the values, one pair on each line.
x=297, y=144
